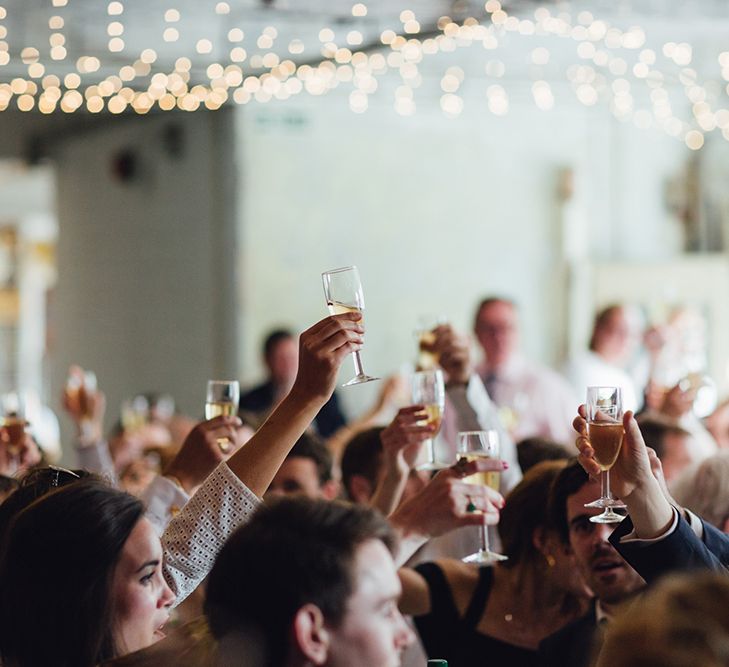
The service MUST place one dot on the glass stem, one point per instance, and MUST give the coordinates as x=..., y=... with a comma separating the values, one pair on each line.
x=430, y=448
x=605, y=484
x=359, y=371
x=485, y=546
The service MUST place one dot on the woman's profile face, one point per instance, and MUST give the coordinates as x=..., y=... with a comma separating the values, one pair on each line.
x=141, y=598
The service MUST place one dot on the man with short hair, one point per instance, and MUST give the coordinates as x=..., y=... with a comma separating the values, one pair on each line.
x=307, y=470
x=308, y=582
x=363, y=465
x=281, y=357
x=533, y=399
x=604, y=571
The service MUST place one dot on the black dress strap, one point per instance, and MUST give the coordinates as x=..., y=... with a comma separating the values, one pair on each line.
x=441, y=597
x=479, y=598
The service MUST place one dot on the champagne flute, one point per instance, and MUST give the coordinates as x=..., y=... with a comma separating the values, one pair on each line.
x=14, y=423
x=222, y=399
x=80, y=387
x=473, y=446
x=427, y=358
x=429, y=391
x=605, y=428
x=134, y=413
x=343, y=292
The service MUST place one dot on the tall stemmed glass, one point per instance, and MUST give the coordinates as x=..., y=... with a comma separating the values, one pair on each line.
x=14, y=425
x=605, y=428
x=343, y=292
x=427, y=358
x=429, y=391
x=474, y=446
x=222, y=399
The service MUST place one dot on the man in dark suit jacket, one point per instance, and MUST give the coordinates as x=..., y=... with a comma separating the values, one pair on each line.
x=609, y=577
x=656, y=538
x=281, y=354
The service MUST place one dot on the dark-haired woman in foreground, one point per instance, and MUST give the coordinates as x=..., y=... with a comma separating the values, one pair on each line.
x=82, y=572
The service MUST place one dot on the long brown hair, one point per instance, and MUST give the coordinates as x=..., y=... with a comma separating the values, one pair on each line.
x=56, y=572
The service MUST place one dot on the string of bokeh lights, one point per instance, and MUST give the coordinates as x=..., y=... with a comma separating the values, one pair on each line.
x=604, y=69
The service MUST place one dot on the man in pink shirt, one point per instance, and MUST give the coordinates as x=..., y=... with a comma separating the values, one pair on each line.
x=533, y=400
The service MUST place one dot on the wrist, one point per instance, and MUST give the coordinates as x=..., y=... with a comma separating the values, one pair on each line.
x=89, y=432
x=650, y=510
x=186, y=482
x=301, y=398
x=406, y=523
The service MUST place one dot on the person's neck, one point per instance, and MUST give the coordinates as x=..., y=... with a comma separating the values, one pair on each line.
x=495, y=369
x=532, y=590
x=610, y=358
x=613, y=607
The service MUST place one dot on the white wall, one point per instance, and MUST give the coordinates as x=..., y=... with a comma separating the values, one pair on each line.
x=146, y=268
x=439, y=212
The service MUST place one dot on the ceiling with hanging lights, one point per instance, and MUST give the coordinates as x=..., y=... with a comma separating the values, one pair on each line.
x=112, y=57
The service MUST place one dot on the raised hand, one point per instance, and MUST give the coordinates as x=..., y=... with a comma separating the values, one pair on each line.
x=201, y=451
x=321, y=351
x=15, y=459
x=632, y=467
x=443, y=504
x=454, y=353
x=632, y=477
x=402, y=439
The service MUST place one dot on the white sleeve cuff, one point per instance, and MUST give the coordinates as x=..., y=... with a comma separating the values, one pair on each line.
x=163, y=500
x=695, y=523
x=632, y=537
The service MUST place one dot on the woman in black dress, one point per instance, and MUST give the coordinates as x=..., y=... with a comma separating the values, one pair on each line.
x=498, y=615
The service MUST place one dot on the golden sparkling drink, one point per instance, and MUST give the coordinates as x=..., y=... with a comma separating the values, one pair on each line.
x=606, y=439
x=16, y=430
x=336, y=308
x=434, y=416
x=427, y=360
x=488, y=478
x=220, y=408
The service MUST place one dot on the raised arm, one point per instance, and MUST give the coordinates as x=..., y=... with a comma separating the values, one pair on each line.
x=655, y=539
x=321, y=351
x=229, y=496
x=401, y=444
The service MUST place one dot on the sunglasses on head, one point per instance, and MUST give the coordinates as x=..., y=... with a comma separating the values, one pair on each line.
x=52, y=476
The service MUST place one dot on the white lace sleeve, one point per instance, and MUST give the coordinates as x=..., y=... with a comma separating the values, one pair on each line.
x=194, y=537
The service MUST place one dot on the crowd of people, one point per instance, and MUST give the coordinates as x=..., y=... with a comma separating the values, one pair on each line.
x=310, y=539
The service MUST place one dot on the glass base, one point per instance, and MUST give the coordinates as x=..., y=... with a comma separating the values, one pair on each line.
x=483, y=557
x=603, y=503
x=608, y=516
x=432, y=465
x=359, y=379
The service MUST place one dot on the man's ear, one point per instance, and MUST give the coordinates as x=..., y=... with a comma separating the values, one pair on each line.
x=310, y=635
x=360, y=489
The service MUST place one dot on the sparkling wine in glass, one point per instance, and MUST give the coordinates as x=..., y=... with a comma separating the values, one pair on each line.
x=427, y=358
x=474, y=446
x=429, y=391
x=222, y=398
x=134, y=413
x=80, y=385
x=14, y=424
x=343, y=293
x=605, y=430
